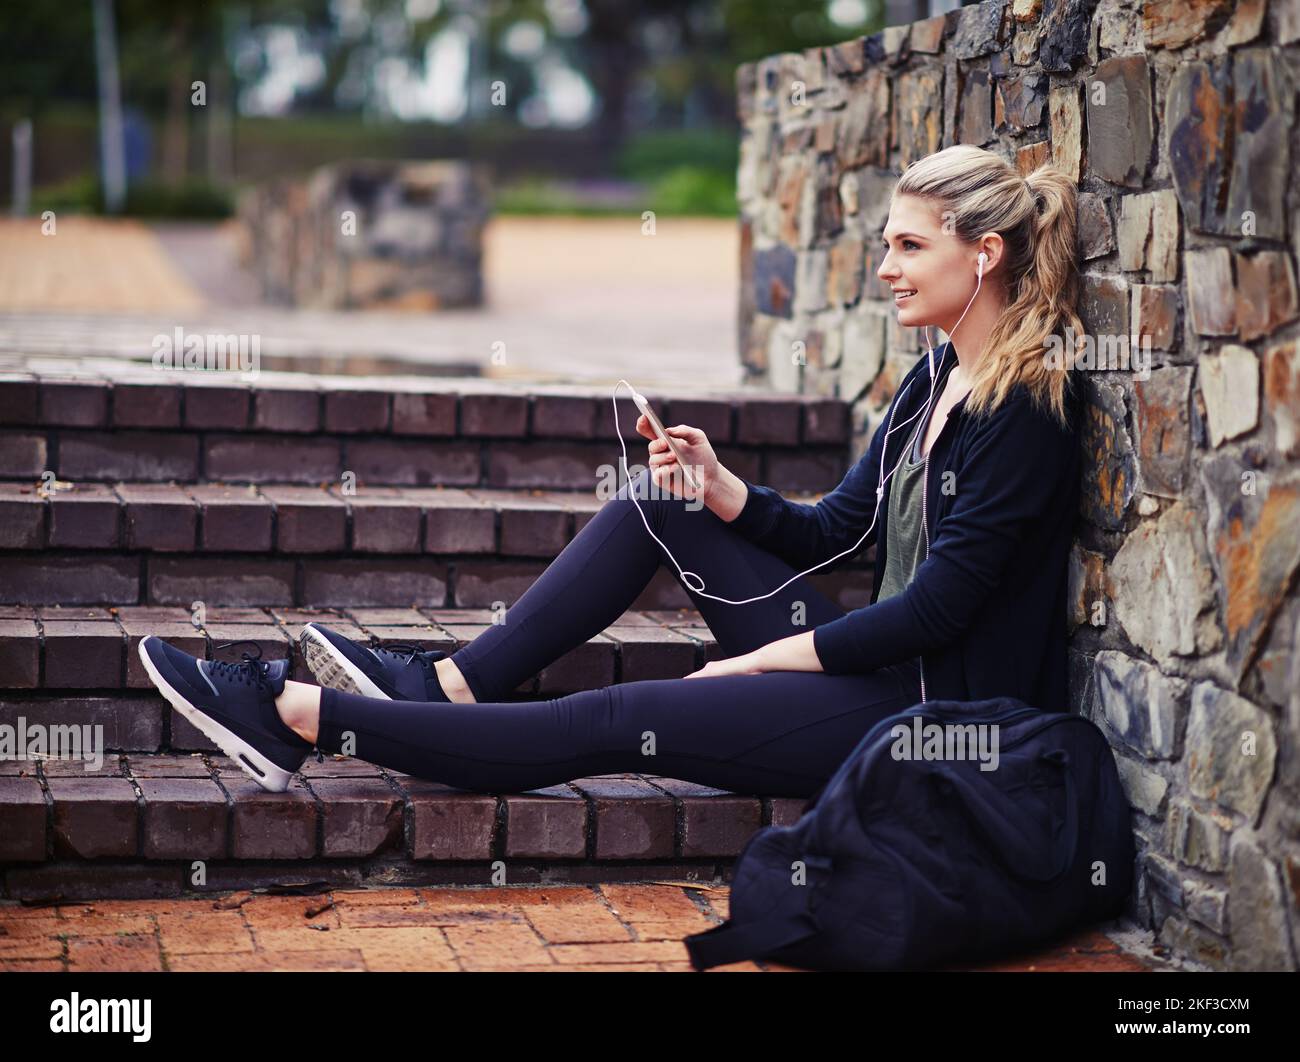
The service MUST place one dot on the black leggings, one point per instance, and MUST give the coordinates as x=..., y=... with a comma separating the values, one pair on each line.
x=780, y=733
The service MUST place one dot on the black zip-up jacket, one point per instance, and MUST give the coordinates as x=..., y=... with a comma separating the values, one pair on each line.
x=986, y=611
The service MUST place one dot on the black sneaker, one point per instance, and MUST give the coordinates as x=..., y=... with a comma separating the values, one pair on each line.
x=234, y=705
x=396, y=672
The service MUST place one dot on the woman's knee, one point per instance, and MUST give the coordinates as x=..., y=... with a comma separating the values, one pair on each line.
x=638, y=483
x=657, y=505
x=643, y=487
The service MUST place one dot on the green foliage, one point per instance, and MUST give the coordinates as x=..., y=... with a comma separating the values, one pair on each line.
x=194, y=198
x=652, y=154
x=145, y=199
x=684, y=191
x=754, y=30
x=46, y=53
x=77, y=195
x=695, y=190
x=690, y=171
x=536, y=195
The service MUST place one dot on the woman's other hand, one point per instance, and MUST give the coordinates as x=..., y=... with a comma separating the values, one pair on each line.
x=745, y=664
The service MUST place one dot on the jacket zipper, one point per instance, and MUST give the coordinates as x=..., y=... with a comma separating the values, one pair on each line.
x=880, y=538
x=925, y=527
x=884, y=457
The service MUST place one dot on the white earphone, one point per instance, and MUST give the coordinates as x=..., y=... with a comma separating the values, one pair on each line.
x=880, y=485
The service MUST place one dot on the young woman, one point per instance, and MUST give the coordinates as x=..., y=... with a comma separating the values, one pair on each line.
x=968, y=489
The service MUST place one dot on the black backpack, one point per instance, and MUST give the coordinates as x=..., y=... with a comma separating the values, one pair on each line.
x=908, y=863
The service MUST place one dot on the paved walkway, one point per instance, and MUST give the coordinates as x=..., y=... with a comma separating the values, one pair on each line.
x=89, y=265
x=557, y=928
x=570, y=300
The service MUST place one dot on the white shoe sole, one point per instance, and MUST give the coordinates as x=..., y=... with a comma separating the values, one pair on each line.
x=265, y=773
x=332, y=668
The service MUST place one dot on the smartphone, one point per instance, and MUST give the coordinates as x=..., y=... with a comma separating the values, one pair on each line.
x=655, y=423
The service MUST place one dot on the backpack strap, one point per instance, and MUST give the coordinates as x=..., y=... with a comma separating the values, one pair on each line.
x=734, y=942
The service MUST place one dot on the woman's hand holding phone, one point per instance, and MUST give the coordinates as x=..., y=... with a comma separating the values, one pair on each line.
x=696, y=451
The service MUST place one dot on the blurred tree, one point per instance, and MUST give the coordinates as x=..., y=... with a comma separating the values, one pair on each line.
x=47, y=53
x=166, y=46
x=689, y=50
x=666, y=63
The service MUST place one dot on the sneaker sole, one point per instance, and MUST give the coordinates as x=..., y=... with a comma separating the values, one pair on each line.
x=265, y=773
x=332, y=668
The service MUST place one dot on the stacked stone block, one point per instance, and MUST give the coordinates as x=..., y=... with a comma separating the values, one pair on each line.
x=369, y=235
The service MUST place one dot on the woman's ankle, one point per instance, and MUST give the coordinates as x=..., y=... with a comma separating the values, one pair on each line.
x=299, y=708
x=453, y=682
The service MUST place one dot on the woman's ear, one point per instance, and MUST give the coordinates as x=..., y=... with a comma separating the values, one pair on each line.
x=992, y=244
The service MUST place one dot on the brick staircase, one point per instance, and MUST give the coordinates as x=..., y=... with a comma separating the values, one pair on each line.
x=402, y=509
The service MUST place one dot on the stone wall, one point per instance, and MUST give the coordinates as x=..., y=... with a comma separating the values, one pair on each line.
x=369, y=235
x=1178, y=121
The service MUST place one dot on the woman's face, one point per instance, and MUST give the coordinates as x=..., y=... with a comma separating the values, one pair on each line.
x=921, y=258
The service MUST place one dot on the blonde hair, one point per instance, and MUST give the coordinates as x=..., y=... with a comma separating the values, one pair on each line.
x=978, y=192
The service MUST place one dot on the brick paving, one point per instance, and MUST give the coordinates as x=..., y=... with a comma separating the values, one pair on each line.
x=554, y=928
x=567, y=300
x=89, y=264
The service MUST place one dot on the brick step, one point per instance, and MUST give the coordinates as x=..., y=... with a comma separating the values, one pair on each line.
x=165, y=544
x=95, y=649
x=130, y=827
x=244, y=518
x=142, y=824
x=322, y=581
x=128, y=422
x=165, y=796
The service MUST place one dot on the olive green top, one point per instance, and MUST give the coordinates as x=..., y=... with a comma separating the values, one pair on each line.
x=904, y=537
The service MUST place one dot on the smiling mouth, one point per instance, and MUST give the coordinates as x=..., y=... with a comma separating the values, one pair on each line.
x=903, y=296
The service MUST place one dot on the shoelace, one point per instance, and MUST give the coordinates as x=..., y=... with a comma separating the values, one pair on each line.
x=250, y=669
x=413, y=652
